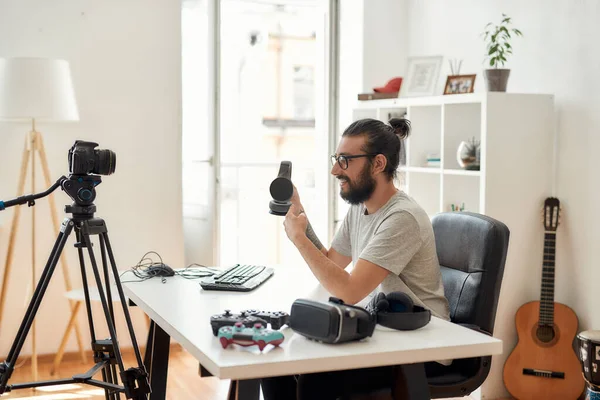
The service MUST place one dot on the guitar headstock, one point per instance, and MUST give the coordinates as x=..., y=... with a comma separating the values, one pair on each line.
x=551, y=213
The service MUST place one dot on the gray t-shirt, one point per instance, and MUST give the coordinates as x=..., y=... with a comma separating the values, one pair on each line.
x=398, y=237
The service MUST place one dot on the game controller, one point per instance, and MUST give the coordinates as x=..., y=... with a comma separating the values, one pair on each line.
x=277, y=319
x=228, y=319
x=243, y=336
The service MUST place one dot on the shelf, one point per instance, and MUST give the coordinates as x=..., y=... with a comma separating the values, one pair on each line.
x=467, y=98
x=436, y=170
x=426, y=170
x=461, y=172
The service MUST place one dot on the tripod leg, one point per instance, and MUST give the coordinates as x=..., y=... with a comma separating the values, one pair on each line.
x=106, y=278
x=63, y=259
x=38, y=294
x=111, y=327
x=13, y=227
x=107, y=283
x=84, y=279
x=109, y=374
x=105, y=379
x=136, y=348
x=113, y=369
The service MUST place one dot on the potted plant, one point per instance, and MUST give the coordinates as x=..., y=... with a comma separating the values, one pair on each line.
x=498, y=49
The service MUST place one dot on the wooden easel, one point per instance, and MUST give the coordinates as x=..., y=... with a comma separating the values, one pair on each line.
x=33, y=144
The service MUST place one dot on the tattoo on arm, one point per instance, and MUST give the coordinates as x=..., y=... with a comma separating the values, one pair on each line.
x=312, y=236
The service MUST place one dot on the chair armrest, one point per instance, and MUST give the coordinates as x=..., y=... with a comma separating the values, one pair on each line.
x=475, y=328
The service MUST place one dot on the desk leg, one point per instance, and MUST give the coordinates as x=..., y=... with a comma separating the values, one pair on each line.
x=410, y=382
x=156, y=360
x=248, y=389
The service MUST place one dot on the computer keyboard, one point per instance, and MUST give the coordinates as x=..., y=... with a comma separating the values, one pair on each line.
x=239, y=278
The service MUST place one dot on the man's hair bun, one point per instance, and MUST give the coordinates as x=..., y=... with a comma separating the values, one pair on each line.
x=401, y=127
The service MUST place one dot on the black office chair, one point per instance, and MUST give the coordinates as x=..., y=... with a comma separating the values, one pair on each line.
x=472, y=252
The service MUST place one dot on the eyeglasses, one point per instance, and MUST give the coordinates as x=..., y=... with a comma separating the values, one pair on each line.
x=343, y=160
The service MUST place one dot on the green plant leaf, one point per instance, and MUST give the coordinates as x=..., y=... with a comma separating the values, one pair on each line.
x=492, y=61
x=493, y=50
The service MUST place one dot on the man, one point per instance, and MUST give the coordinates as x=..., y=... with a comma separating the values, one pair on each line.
x=386, y=235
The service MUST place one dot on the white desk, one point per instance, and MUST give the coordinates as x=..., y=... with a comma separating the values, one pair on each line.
x=182, y=309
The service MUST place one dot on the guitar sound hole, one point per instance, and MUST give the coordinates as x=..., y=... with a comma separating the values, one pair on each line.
x=545, y=333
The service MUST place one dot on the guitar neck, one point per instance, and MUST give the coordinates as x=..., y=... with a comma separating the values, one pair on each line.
x=547, y=291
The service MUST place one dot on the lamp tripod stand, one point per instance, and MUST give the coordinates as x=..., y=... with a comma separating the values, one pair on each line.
x=34, y=145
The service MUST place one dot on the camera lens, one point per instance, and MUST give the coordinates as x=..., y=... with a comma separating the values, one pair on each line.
x=106, y=161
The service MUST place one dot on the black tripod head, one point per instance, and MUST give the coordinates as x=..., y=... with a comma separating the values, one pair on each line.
x=82, y=190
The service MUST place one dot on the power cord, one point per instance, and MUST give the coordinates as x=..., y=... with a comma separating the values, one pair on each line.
x=147, y=268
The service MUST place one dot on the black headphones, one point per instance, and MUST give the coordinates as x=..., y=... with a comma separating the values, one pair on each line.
x=281, y=190
x=396, y=310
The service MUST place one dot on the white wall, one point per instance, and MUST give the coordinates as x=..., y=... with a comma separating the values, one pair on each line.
x=373, y=45
x=126, y=62
x=556, y=55
x=385, y=42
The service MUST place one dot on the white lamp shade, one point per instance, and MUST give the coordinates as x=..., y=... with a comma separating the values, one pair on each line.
x=39, y=88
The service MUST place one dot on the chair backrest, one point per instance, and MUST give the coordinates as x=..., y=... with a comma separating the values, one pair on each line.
x=472, y=252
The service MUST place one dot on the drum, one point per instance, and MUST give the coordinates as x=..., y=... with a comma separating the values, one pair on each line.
x=588, y=343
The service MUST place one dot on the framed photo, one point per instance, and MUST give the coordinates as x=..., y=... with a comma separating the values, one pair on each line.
x=422, y=74
x=456, y=84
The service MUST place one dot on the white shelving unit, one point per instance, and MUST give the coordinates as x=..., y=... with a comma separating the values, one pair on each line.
x=516, y=132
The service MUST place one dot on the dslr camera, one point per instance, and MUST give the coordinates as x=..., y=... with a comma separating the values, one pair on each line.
x=85, y=159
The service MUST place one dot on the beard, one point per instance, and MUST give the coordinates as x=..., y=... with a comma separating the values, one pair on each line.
x=361, y=190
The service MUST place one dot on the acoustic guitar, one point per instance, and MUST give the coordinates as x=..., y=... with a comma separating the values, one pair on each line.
x=544, y=365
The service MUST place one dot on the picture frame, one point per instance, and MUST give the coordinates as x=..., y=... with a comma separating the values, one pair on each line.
x=422, y=75
x=460, y=84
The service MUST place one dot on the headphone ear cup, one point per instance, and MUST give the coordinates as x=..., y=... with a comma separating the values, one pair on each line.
x=378, y=303
x=400, y=302
x=382, y=305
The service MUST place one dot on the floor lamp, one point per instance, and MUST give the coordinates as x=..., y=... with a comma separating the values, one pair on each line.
x=35, y=89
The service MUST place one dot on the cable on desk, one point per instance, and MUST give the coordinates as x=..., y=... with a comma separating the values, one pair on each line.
x=147, y=268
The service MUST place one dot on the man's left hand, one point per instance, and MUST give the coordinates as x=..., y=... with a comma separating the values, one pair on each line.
x=295, y=223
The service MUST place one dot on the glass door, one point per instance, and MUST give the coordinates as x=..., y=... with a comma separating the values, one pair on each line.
x=198, y=126
x=272, y=89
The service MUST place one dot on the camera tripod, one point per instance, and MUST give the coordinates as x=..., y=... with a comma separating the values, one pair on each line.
x=107, y=354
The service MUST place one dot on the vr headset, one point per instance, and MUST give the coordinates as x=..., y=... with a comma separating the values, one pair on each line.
x=337, y=322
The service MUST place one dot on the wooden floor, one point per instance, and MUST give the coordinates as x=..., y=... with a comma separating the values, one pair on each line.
x=183, y=380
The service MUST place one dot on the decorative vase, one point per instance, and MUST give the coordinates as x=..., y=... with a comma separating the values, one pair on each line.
x=496, y=79
x=468, y=155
